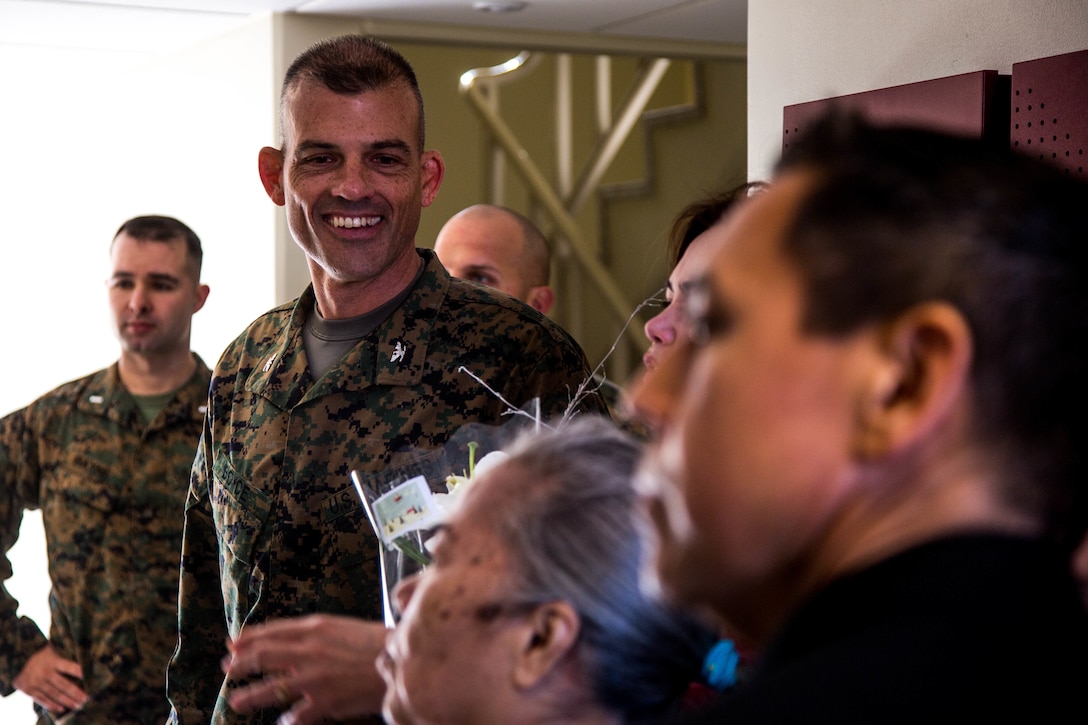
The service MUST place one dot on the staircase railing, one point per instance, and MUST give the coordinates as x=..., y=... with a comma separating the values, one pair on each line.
x=559, y=206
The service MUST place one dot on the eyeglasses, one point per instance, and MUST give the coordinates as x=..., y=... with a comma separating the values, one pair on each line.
x=657, y=299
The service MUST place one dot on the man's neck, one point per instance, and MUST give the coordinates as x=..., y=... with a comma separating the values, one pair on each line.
x=340, y=300
x=890, y=508
x=152, y=375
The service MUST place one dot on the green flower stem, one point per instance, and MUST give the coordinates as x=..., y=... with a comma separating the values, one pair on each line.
x=412, y=552
x=472, y=446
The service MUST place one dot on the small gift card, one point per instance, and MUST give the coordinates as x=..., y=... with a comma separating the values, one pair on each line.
x=408, y=507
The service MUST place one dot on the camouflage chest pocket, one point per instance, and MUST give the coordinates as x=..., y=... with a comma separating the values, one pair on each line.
x=239, y=512
x=79, y=504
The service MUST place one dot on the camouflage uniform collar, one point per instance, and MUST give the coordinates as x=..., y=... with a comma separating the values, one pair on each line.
x=191, y=400
x=401, y=351
x=394, y=353
x=104, y=395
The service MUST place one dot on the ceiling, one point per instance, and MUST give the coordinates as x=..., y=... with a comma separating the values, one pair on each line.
x=150, y=26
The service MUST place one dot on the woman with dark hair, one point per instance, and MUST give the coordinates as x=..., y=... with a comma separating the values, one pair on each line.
x=688, y=255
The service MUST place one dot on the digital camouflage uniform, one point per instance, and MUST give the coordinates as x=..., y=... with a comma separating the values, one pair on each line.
x=112, y=494
x=271, y=483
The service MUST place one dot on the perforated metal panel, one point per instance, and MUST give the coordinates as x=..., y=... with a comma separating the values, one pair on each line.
x=1050, y=109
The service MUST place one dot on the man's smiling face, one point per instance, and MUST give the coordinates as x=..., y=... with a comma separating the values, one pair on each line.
x=352, y=179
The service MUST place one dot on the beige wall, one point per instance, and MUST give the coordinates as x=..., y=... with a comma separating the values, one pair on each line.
x=800, y=50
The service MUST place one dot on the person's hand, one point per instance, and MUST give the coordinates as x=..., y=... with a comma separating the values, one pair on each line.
x=46, y=679
x=321, y=665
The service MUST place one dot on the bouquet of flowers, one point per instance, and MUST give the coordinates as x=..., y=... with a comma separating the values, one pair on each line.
x=399, y=515
x=404, y=505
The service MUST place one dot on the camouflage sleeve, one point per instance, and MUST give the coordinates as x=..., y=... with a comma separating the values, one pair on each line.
x=194, y=677
x=563, y=381
x=20, y=637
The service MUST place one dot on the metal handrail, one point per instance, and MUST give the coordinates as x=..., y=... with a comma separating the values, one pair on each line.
x=629, y=114
x=543, y=190
x=495, y=72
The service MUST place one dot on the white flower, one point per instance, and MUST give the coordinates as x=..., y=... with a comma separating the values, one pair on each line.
x=446, y=503
x=456, y=485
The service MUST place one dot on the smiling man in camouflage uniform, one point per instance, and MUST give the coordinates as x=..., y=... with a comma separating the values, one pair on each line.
x=363, y=371
x=107, y=458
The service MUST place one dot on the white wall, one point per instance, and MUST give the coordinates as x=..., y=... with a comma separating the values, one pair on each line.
x=803, y=50
x=91, y=139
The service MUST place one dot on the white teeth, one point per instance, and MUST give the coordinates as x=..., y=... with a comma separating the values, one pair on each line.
x=355, y=221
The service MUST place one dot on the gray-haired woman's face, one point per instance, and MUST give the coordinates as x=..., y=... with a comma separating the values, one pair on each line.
x=445, y=660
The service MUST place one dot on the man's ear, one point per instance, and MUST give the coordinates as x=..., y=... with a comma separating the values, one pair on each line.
x=541, y=299
x=201, y=297
x=270, y=167
x=550, y=633
x=918, y=380
x=433, y=169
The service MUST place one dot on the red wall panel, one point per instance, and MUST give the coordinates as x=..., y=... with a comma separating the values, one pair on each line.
x=971, y=104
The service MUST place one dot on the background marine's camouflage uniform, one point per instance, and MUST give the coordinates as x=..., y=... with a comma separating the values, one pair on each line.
x=112, y=491
x=271, y=481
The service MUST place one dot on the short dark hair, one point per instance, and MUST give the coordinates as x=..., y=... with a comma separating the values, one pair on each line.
x=899, y=216
x=573, y=534
x=165, y=229
x=698, y=216
x=349, y=65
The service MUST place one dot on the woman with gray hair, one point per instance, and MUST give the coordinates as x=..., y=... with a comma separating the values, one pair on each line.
x=531, y=610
